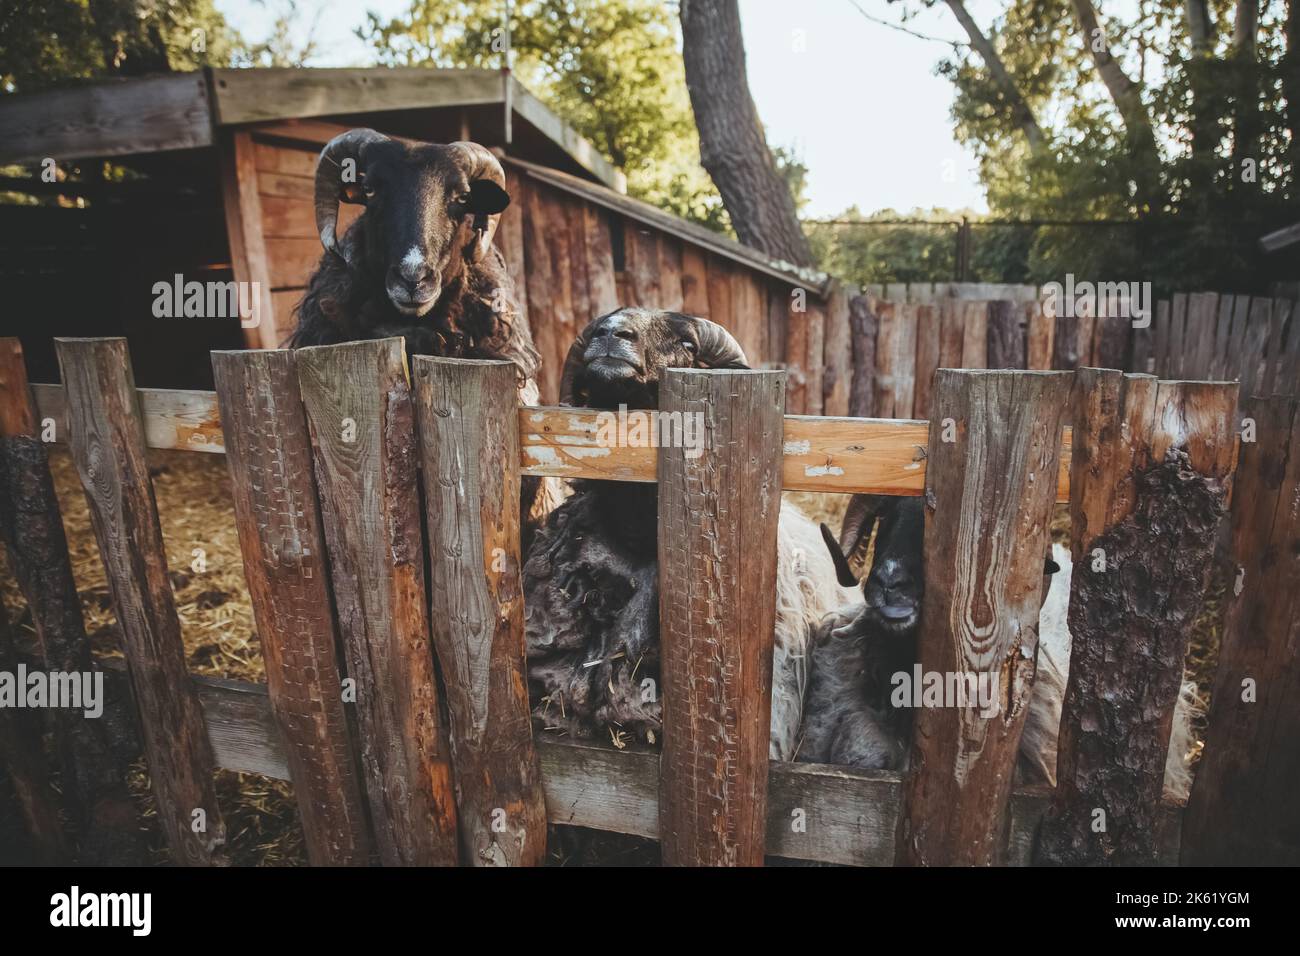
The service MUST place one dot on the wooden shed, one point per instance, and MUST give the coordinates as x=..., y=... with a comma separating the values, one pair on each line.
x=208, y=176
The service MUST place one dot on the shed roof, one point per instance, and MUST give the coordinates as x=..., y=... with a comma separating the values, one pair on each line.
x=124, y=117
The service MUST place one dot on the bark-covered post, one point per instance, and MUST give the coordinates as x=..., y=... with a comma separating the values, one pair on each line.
x=1242, y=809
x=469, y=438
x=718, y=507
x=862, y=325
x=362, y=424
x=1151, y=461
x=278, y=520
x=106, y=436
x=994, y=446
x=94, y=754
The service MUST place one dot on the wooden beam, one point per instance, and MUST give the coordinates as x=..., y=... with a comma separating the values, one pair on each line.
x=717, y=610
x=1132, y=509
x=876, y=456
x=108, y=447
x=849, y=814
x=241, y=202
x=278, y=520
x=986, y=534
x=1242, y=806
x=362, y=426
x=110, y=118
x=262, y=95
x=469, y=445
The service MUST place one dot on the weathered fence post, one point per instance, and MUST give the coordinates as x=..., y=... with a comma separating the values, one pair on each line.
x=92, y=753
x=718, y=507
x=107, y=442
x=1144, y=522
x=1006, y=344
x=276, y=514
x=991, y=476
x=23, y=759
x=1242, y=809
x=862, y=325
x=362, y=426
x=469, y=438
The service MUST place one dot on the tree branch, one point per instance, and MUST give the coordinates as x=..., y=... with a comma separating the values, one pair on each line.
x=1020, y=110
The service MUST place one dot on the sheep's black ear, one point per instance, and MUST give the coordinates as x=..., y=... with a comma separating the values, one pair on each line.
x=1050, y=566
x=486, y=198
x=842, y=570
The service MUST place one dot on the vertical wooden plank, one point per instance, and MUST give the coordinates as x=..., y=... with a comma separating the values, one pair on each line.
x=469, y=443
x=509, y=238
x=1131, y=507
x=602, y=288
x=574, y=225
x=837, y=353
x=896, y=292
x=1242, y=806
x=986, y=531
x=1237, y=339
x=1065, y=351
x=975, y=334
x=717, y=609
x=750, y=304
x=927, y=357
x=1276, y=344
x=1111, y=339
x=361, y=421
x=1040, y=333
x=1085, y=327
x=1006, y=343
x=952, y=333
x=641, y=250
x=106, y=439
x=237, y=155
x=721, y=309
x=814, y=369
x=1222, y=336
x=1160, y=350
x=862, y=327
x=1252, y=352
x=92, y=752
x=1178, y=337
x=276, y=514
x=695, y=281
x=670, y=273
x=1288, y=380
x=564, y=314
x=887, y=323
x=779, y=299
x=796, y=325
x=1202, y=312
x=904, y=359
x=546, y=327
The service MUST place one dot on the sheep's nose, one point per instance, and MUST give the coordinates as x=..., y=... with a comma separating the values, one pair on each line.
x=891, y=574
x=414, y=268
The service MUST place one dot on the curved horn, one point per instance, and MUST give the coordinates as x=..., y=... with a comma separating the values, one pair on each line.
x=330, y=187
x=718, y=348
x=855, y=530
x=573, y=362
x=480, y=164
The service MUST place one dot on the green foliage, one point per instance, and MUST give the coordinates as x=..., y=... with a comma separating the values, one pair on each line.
x=47, y=42
x=1210, y=111
x=612, y=69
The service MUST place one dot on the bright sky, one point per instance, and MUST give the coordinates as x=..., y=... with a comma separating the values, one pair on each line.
x=859, y=102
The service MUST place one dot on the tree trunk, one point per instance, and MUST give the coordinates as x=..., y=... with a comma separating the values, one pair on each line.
x=1127, y=97
x=1245, y=67
x=732, y=146
x=1021, y=112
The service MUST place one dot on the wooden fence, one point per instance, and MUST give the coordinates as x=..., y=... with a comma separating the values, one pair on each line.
x=892, y=338
x=326, y=447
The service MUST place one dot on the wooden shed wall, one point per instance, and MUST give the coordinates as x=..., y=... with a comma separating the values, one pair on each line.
x=571, y=260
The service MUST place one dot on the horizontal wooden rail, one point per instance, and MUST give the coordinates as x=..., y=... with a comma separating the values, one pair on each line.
x=848, y=816
x=839, y=455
